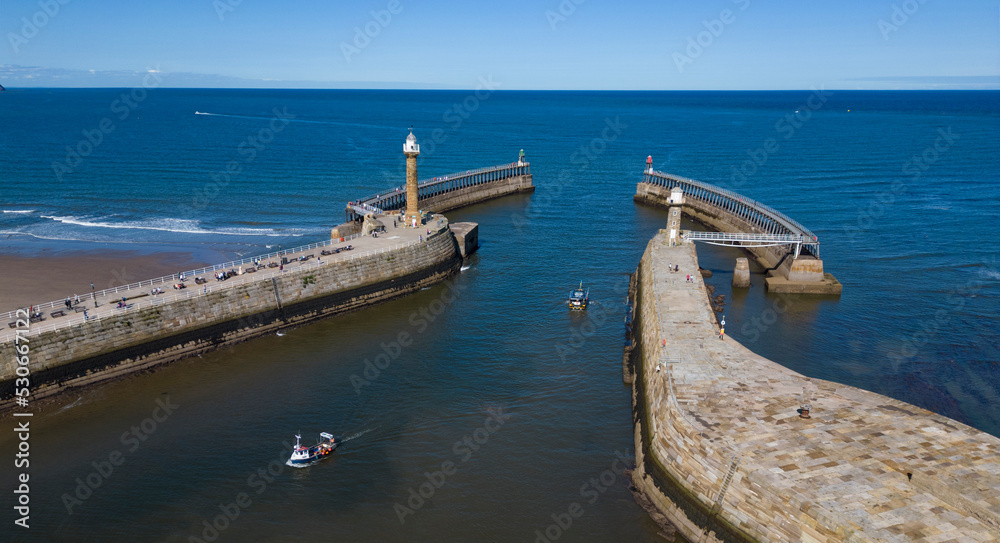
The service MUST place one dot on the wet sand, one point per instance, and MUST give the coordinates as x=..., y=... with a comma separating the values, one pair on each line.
x=30, y=280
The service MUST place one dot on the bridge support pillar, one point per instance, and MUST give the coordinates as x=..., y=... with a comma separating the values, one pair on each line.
x=741, y=275
x=805, y=269
x=803, y=275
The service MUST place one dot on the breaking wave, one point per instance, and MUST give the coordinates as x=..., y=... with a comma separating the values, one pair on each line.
x=180, y=226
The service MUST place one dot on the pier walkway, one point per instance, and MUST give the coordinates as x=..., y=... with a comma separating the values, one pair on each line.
x=763, y=219
x=395, y=198
x=723, y=425
x=138, y=295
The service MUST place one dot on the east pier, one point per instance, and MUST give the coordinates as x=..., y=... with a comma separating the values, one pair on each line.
x=731, y=446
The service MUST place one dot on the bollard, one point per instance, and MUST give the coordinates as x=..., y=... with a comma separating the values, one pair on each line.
x=804, y=411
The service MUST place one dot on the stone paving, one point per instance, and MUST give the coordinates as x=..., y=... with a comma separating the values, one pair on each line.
x=106, y=305
x=865, y=466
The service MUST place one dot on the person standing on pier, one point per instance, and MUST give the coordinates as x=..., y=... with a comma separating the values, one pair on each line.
x=722, y=333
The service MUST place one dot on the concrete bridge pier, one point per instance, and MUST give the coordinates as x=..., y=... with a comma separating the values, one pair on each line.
x=803, y=275
x=741, y=275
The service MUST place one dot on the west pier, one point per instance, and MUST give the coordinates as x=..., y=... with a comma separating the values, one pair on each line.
x=264, y=294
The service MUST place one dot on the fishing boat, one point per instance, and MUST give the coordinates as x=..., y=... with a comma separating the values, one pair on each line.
x=578, y=298
x=303, y=456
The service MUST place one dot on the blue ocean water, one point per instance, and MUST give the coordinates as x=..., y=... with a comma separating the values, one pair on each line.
x=900, y=187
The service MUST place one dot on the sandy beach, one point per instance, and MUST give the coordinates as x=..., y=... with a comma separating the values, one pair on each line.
x=34, y=280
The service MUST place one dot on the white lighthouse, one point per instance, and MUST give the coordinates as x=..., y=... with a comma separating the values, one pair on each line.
x=674, y=216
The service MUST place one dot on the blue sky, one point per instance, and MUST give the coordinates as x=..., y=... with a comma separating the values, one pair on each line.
x=543, y=44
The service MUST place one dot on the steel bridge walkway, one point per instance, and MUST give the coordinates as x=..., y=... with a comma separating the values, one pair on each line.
x=734, y=239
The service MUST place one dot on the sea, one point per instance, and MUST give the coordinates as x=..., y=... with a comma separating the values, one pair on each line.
x=479, y=409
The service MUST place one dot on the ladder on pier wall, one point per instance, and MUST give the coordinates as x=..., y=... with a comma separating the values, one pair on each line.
x=717, y=506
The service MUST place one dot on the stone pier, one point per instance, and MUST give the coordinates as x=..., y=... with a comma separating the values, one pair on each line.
x=466, y=236
x=182, y=323
x=722, y=451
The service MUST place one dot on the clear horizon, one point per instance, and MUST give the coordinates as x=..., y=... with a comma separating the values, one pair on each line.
x=546, y=45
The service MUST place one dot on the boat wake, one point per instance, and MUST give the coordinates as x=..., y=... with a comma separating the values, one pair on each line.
x=359, y=434
x=74, y=404
x=289, y=463
x=465, y=267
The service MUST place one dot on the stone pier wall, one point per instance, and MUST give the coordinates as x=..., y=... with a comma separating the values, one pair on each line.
x=722, y=451
x=116, y=345
x=479, y=193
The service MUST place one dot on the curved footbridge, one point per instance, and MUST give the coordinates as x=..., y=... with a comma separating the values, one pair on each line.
x=787, y=249
x=451, y=191
x=723, y=451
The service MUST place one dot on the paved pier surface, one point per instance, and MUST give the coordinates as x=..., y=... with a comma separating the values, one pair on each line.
x=841, y=475
x=139, y=298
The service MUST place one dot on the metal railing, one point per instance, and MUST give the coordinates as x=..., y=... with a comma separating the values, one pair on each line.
x=761, y=215
x=739, y=239
x=395, y=198
x=166, y=298
x=59, y=304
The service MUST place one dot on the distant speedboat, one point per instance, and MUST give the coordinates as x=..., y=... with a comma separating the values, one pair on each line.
x=303, y=456
x=579, y=298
